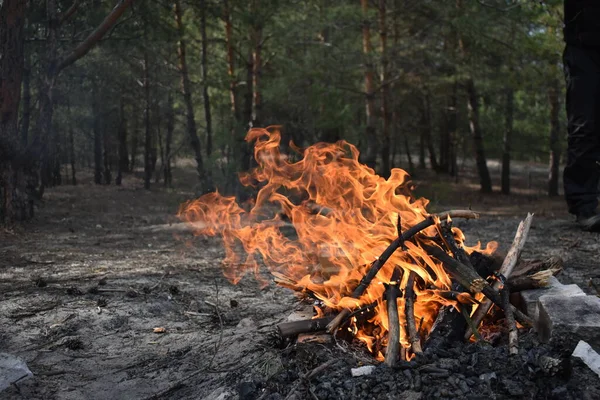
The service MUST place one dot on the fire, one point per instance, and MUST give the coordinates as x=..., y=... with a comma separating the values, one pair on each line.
x=341, y=215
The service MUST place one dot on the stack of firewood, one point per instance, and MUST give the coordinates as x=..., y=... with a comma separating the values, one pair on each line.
x=479, y=282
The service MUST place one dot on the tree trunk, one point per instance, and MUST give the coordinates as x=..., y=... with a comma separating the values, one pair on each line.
x=427, y=132
x=147, y=127
x=56, y=159
x=248, y=96
x=385, y=96
x=106, y=154
x=26, y=118
x=411, y=165
x=97, y=136
x=123, y=165
x=451, y=134
x=46, y=106
x=257, y=31
x=370, y=157
x=422, y=145
x=54, y=66
x=204, y=63
x=230, y=60
x=187, y=97
x=482, y=169
x=134, y=140
x=72, y=154
x=553, y=98
x=168, y=139
x=14, y=203
x=157, y=138
x=508, y=131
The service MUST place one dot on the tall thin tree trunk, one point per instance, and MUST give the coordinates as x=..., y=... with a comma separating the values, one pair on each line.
x=192, y=132
x=107, y=154
x=370, y=157
x=508, y=131
x=157, y=138
x=46, y=106
x=56, y=159
x=71, y=144
x=452, y=131
x=97, y=136
x=553, y=98
x=168, y=139
x=427, y=128
x=480, y=160
x=473, y=111
x=444, y=141
x=204, y=63
x=147, y=127
x=257, y=31
x=14, y=204
x=385, y=96
x=26, y=118
x=422, y=143
x=134, y=139
x=411, y=165
x=72, y=154
x=123, y=165
x=230, y=61
x=248, y=95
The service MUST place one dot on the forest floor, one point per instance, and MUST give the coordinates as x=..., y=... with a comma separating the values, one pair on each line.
x=84, y=287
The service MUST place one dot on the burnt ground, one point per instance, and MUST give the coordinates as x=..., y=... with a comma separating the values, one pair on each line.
x=84, y=287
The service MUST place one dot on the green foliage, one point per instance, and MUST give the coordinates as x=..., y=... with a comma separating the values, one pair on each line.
x=312, y=71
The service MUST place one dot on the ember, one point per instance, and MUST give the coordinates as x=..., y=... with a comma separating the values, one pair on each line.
x=380, y=265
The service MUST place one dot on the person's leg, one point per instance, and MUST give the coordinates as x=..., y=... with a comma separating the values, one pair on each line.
x=582, y=172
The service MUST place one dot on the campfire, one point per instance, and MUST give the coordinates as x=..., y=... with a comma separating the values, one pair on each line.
x=374, y=262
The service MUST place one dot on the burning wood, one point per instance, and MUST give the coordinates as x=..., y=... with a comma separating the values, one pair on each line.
x=353, y=240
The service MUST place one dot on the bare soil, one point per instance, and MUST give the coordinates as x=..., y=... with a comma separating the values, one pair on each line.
x=106, y=296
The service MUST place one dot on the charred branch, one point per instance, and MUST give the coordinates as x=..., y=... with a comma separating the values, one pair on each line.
x=409, y=308
x=391, y=297
x=294, y=328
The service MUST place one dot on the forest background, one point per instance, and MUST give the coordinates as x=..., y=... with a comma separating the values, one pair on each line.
x=131, y=87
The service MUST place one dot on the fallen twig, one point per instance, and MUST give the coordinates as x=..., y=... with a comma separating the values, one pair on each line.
x=309, y=375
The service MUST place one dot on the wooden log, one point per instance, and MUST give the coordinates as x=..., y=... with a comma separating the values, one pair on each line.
x=391, y=297
x=505, y=270
x=513, y=335
x=530, y=267
x=293, y=328
x=409, y=309
x=538, y=280
x=469, y=278
x=465, y=276
x=458, y=252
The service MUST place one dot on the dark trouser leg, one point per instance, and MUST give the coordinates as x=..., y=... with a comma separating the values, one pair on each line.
x=582, y=171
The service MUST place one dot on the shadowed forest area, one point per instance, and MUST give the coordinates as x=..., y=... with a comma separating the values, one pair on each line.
x=130, y=87
x=113, y=114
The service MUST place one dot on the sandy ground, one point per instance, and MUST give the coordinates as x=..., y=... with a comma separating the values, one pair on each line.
x=85, y=285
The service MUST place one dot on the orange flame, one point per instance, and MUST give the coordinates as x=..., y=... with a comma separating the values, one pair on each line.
x=341, y=215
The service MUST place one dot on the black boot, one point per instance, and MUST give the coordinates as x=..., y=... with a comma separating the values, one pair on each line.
x=589, y=221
